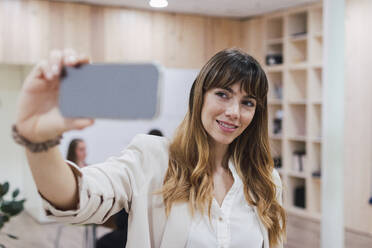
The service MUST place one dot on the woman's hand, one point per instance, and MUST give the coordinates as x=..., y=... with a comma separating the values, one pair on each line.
x=38, y=115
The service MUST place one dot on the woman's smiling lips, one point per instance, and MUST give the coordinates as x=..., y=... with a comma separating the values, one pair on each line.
x=227, y=127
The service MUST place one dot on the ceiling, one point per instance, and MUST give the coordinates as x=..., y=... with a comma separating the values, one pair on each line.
x=222, y=8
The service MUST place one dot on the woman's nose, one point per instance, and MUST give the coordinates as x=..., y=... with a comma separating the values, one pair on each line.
x=233, y=110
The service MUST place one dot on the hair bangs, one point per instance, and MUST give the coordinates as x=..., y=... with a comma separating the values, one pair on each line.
x=238, y=70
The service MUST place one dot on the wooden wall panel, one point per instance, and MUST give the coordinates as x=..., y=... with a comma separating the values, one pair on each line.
x=253, y=37
x=32, y=28
x=97, y=38
x=358, y=117
x=221, y=34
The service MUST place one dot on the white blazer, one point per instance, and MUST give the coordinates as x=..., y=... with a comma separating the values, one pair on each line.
x=130, y=181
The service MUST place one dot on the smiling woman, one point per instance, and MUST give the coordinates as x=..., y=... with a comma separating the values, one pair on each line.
x=212, y=185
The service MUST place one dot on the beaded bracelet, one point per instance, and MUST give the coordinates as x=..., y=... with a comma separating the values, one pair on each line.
x=31, y=146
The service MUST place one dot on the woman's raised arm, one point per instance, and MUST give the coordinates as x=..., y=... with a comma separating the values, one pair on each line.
x=39, y=120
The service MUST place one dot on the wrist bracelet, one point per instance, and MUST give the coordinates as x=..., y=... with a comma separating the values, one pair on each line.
x=31, y=146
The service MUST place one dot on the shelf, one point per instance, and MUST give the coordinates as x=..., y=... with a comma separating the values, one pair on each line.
x=316, y=179
x=316, y=86
x=297, y=51
x=276, y=148
x=275, y=120
x=315, y=193
x=275, y=102
x=274, y=41
x=297, y=174
x=275, y=85
x=315, y=120
x=317, y=49
x=276, y=137
x=303, y=213
x=274, y=68
x=274, y=27
x=318, y=35
x=295, y=89
x=296, y=120
x=297, y=23
x=317, y=102
x=316, y=139
x=297, y=138
x=298, y=66
x=316, y=17
x=296, y=86
x=298, y=38
x=297, y=102
x=275, y=49
x=297, y=192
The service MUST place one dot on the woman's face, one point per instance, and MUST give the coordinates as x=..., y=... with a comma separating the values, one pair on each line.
x=226, y=113
x=81, y=151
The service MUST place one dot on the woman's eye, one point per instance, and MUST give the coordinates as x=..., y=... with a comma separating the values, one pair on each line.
x=249, y=103
x=221, y=94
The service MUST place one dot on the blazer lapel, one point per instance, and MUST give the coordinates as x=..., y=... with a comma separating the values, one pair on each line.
x=177, y=227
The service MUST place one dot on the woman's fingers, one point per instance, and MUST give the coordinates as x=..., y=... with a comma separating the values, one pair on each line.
x=70, y=57
x=55, y=63
x=78, y=123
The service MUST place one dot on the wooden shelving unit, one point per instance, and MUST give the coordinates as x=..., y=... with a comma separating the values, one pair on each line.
x=295, y=97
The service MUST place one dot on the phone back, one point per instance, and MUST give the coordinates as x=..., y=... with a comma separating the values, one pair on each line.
x=112, y=91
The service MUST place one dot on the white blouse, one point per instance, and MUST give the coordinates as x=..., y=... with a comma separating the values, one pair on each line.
x=234, y=224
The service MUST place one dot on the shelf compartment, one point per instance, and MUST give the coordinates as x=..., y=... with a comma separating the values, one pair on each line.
x=315, y=86
x=315, y=194
x=276, y=147
x=315, y=121
x=275, y=120
x=276, y=152
x=297, y=24
x=317, y=50
x=296, y=120
x=297, y=192
x=297, y=157
x=276, y=137
x=315, y=159
x=274, y=28
x=275, y=85
x=274, y=50
x=275, y=102
x=274, y=41
x=297, y=51
x=316, y=21
x=297, y=86
x=297, y=174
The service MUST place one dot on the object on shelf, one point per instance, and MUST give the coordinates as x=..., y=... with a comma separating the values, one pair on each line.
x=299, y=34
x=299, y=197
x=274, y=59
x=278, y=121
x=277, y=162
x=278, y=90
x=299, y=160
x=317, y=174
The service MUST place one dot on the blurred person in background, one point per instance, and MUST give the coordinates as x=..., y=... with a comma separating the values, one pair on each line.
x=77, y=152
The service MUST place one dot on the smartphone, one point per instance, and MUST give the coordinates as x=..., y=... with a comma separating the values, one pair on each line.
x=110, y=91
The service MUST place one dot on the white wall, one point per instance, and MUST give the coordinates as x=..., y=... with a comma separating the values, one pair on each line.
x=11, y=155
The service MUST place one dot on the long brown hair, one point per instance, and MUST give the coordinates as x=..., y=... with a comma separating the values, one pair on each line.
x=189, y=175
x=71, y=151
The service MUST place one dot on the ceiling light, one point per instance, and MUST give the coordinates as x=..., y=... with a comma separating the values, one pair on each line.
x=158, y=3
